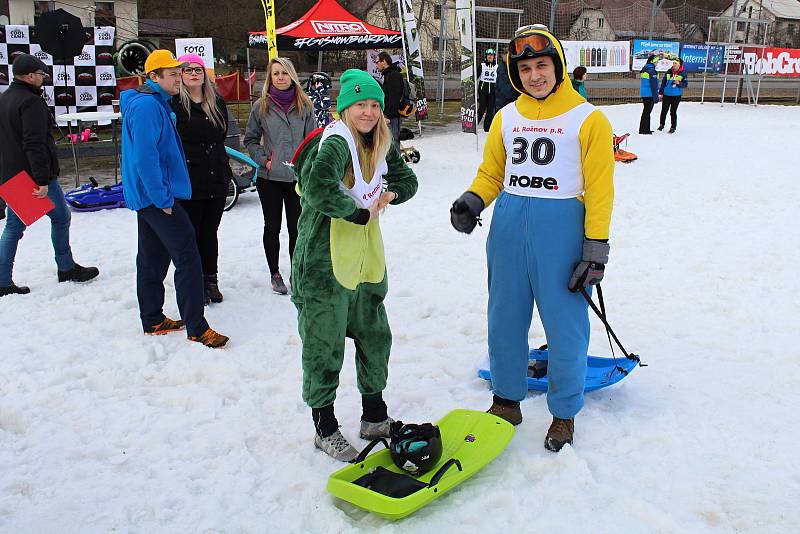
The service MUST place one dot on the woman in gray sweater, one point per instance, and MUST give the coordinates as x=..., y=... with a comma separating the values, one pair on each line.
x=278, y=123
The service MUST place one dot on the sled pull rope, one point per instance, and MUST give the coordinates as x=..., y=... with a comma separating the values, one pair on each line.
x=601, y=313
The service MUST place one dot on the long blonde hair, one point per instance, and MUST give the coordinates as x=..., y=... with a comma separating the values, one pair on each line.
x=301, y=101
x=208, y=103
x=369, y=156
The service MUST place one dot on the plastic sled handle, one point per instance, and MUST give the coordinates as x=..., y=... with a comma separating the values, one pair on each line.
x=363, y=454
x=241, y=158
x=442, y=470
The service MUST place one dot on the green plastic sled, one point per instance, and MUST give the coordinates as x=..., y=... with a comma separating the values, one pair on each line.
x=470, y=440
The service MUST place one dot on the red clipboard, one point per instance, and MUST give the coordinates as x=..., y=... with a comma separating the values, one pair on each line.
x=18, y=194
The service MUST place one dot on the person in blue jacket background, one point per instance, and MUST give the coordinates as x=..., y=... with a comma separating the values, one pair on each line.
x=154, y=177
x=648, y=90
x=579, y=76
x=672, y=85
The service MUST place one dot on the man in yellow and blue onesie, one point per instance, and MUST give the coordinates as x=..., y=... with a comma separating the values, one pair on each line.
x=549, y=163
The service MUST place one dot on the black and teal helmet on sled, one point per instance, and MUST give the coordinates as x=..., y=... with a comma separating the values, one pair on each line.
x=415, y=448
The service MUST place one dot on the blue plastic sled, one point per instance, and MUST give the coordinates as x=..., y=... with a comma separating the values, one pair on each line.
x=93, y=197
x=600, y=372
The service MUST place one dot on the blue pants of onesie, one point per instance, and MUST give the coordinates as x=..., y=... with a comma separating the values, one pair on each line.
x=534, y=245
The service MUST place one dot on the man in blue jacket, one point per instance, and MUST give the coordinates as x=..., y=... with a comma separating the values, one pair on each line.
x=648, y=90
x=154, y=176
x=671, y=90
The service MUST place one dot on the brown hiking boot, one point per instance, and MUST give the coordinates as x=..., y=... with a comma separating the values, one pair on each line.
x=512, y=413
x=211, y=339
x=559, y=434
x=164, y=327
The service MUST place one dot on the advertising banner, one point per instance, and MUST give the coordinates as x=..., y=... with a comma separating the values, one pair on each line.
x=372, y=63
x=465, y=19
x=202, y=46
x=598, y=56
x=784, y=62
x=702, y=58
x=413, y=53
x=86, y=83
x=269, y=18
x=665, y=50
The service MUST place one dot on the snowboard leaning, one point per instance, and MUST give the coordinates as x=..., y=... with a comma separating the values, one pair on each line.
x=600, y=372
x=470, y=440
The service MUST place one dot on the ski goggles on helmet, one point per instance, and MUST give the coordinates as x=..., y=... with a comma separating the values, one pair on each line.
x=530, y=44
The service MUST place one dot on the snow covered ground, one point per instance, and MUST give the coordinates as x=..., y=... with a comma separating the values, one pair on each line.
x=105, y=430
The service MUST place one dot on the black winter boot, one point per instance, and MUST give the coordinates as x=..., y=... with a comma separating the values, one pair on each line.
x=14, y=289
x=212, y=288
x=78, y=273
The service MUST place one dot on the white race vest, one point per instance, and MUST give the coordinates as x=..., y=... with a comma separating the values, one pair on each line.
x=543, y=157
x=365, y=194
x=488, y=73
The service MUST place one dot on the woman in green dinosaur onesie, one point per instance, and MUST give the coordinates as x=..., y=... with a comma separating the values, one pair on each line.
x=347, y=173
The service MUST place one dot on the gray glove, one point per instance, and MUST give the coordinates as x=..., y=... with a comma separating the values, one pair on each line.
x=590, y=270
x=464, y=212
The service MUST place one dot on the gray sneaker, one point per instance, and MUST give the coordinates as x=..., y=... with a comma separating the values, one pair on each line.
x=372, y=431
x=278, y=286
x=336, y=446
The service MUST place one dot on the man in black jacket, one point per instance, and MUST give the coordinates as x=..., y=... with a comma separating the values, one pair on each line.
x=393, y=88
x=28, y=145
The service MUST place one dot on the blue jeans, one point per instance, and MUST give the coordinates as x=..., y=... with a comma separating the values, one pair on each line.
x=394, y=127
x=533, y=246
x=60, y=218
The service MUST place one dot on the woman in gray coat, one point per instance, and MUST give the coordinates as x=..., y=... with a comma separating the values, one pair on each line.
x=279, y=121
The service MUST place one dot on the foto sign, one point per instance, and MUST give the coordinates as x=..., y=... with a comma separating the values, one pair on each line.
x=202, y=46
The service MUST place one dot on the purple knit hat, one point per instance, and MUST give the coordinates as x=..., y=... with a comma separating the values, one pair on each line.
x=192, y=58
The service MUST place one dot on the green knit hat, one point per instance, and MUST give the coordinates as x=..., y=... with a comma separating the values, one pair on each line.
x=357, y=85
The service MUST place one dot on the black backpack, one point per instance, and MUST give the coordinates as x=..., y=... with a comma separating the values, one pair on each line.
x=408, y=102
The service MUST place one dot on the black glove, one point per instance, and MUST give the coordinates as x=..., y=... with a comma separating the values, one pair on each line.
x=590, y=270
x=464, y=212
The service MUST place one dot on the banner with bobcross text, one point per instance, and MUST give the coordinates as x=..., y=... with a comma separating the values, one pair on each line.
x=414, y=56
x=465, y=27
x=784, y=62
